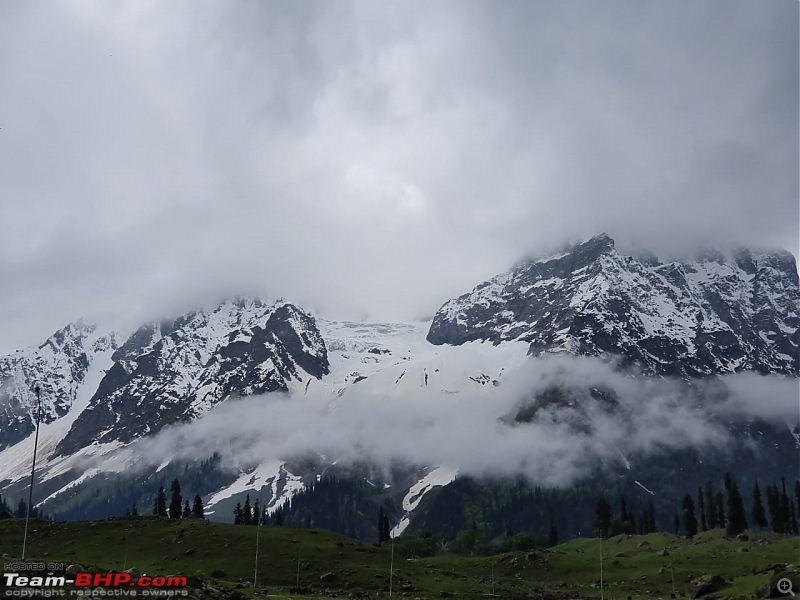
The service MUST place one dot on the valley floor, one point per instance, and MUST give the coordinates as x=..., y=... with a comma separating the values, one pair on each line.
x=307, y=563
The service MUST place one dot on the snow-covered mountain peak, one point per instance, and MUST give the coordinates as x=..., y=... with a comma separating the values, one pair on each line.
x=59, y=365
x=711, y=314
x=177, y=369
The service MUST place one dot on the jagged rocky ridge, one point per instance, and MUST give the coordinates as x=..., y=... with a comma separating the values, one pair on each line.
x=711, y=315
x=174, y=370
x=60, y=365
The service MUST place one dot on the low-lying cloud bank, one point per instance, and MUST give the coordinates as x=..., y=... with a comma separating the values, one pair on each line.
x=602, y=416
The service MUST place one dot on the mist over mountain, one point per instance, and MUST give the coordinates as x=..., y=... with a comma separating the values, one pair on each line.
x=371, y=160
x=579, y=366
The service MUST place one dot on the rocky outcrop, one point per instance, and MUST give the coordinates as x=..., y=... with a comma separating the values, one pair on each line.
x=713, y=314
x=60, y=365
x=174, y=371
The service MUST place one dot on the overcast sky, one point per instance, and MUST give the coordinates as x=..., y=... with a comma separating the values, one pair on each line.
x=373, y=159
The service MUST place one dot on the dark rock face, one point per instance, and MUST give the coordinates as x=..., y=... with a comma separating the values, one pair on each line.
x=711, y=315
x=174, y=371
x=60, y=364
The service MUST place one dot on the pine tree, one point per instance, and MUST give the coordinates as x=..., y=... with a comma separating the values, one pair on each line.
x=643, y=528
x=247, y=513
x=720, y=510
x=197, y=508
x=186, y=510
x=797, y=491
x=623, y=510
x=737, y=522
x=238, y=514
x=651, y=520
x=689, y=520
x=176, y=501
x=160, y=504
x=602, y=517
x=758, y=514
x=387, y=529
x=381, y=530
x=552, y=538
x=713, y=514
x=134, y=510
x=793, y=521
x=702, y=506
x=774, y=505
x=256, y=513
x=278, y=520
x=786, y=512
x=677, y=525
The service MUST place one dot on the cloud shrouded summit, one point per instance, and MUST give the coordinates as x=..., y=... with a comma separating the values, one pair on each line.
x=367, y=159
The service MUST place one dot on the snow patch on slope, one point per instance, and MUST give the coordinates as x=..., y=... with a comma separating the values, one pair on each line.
x=440, y=476
x=272, y=475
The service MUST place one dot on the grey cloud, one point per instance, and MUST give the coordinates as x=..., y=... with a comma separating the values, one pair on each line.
x=370, y=158
x=773, y=399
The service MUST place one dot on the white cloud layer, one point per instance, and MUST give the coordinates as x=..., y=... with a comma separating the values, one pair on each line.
x=563, y=443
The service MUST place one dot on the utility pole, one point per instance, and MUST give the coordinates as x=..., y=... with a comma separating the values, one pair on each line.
x=38, y=392
x=258, y=530
x=672, y=572
x=601, y=565
x=391, y=567
x=492, y=575
x=261, y=512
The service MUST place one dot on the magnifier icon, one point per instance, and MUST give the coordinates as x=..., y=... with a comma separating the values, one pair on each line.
x=784, y=586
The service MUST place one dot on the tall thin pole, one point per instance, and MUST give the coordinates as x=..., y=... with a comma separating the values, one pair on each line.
x=38, y=391
x=672, y=572
x=258, y=530
x=601, y=565
x=492, y=575
x=391, y=568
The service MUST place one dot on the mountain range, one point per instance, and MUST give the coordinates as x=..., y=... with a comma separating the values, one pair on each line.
x=694, y=319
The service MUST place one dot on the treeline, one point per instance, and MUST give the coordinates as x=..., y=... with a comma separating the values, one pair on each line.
x=499, y=509
x=627, y=522
x=254, y=514
x=482, y=517
x=711, y=508
x=466, y=543
x=492, y=513
x=496, y=513
x=21, y=510
x=343, y=505
x=116, y=494
x=715, y=511
x=177, y=509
